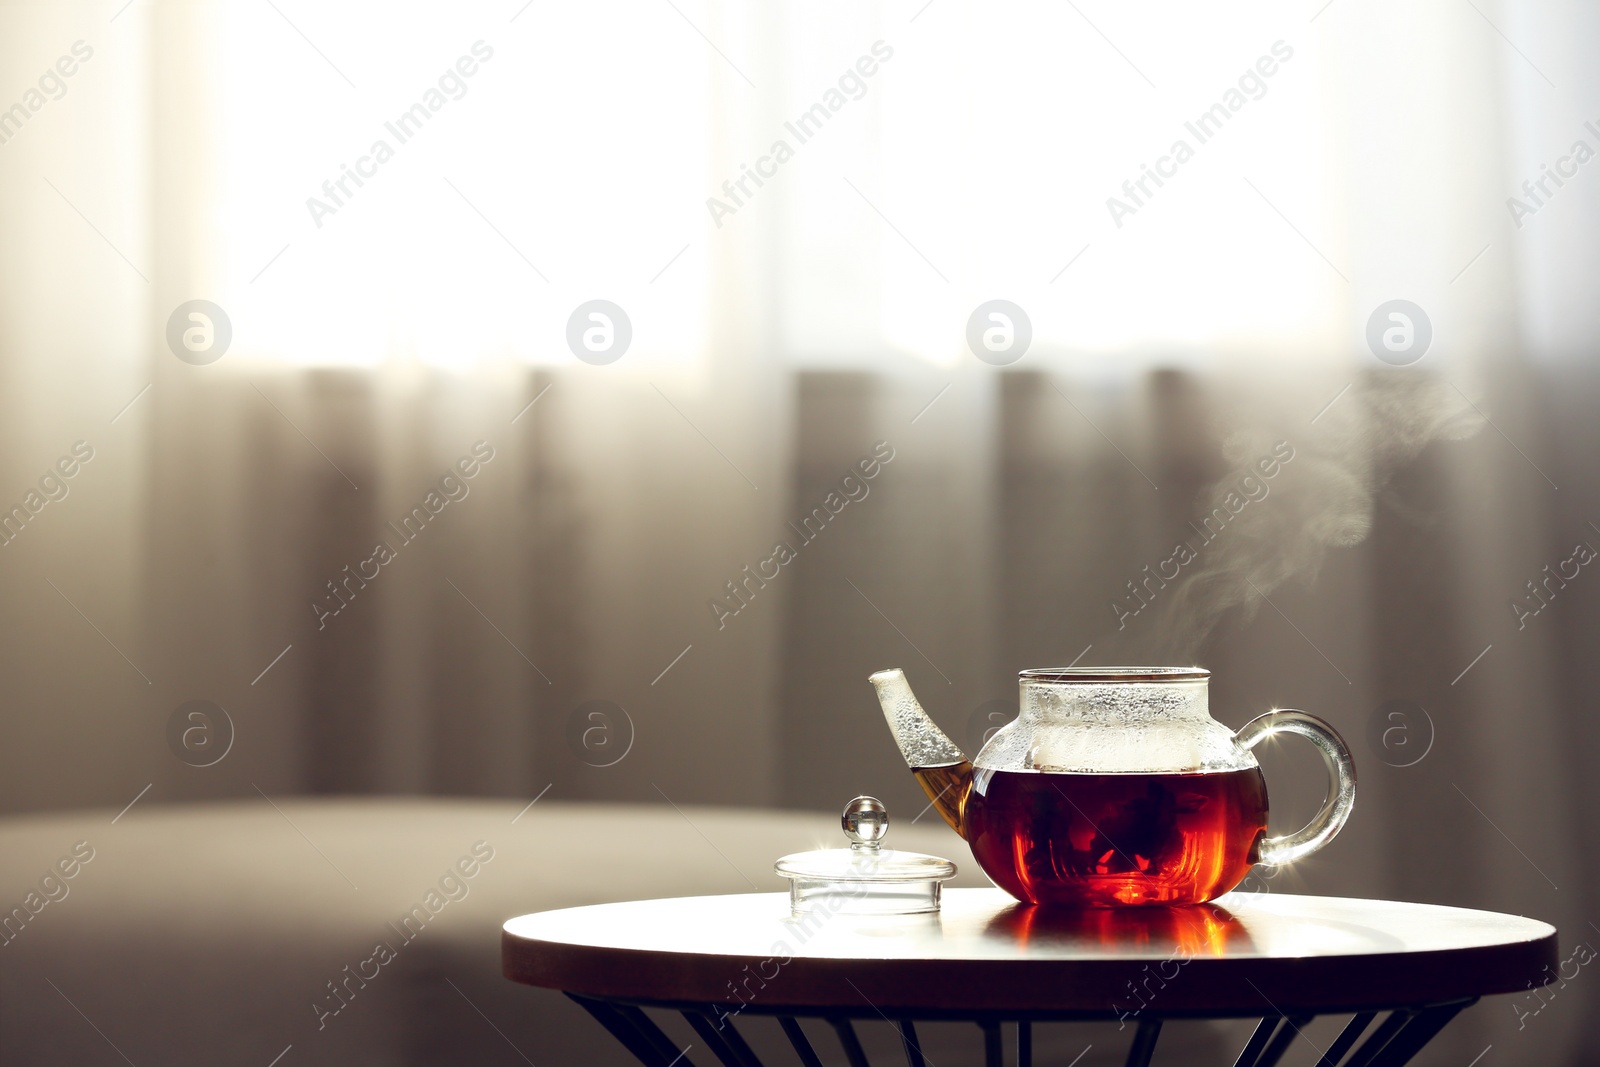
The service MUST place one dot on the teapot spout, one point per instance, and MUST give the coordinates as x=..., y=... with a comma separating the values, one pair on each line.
x=941, y=768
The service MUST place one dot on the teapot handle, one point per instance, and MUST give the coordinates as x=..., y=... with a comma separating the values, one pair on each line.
x=1341, y=797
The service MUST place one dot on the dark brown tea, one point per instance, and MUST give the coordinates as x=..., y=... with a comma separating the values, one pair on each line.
x=1102, y=840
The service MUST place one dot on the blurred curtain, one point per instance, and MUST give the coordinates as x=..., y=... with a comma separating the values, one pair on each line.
x=774, y=348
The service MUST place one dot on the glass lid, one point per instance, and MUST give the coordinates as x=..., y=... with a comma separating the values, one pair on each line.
x=865, y=878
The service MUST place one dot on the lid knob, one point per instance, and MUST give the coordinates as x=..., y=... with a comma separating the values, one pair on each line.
x=865, y=821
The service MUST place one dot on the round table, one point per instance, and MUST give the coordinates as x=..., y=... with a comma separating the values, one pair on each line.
x=1281, y=958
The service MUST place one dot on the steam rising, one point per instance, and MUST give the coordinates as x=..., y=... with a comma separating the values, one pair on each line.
x=1321, y=499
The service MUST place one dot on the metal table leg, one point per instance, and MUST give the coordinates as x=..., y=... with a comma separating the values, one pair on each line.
x=994, y=1053
x=908, y=1041
x=1380, y=1037
x=1144, y=1043
x=1347, y=1037
x=1258, y=1041
x=1418, y=1031
x=622, y=1028
x=797, y=1038
x=1401, y=1035
x=724, y=1041
x=741, y=1048
x=647, y=1029
x=1287, y=1032
x=851, y=1043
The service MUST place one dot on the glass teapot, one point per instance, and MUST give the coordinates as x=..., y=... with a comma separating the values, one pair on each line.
x=1114, y=786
